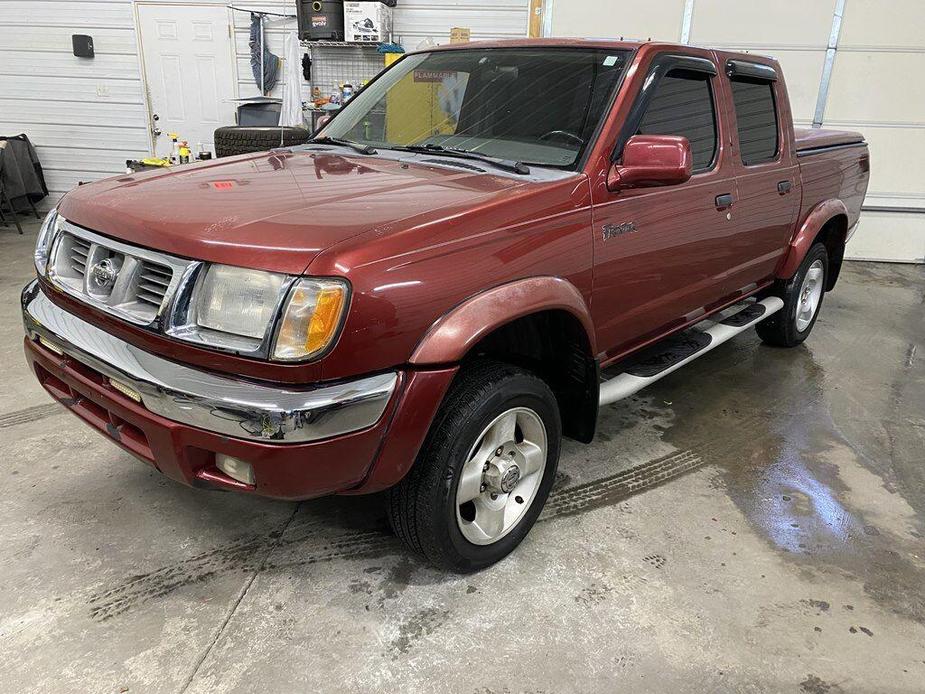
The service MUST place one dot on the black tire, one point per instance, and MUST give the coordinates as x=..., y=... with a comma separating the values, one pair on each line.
x=422, y=507
x=780, y=330
x=232, y=140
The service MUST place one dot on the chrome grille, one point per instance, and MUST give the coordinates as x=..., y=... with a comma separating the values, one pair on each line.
x=135, y=284
x=153, y=283
x=80, y=253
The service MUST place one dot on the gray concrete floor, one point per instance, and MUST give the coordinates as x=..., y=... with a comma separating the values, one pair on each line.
x=753, y=523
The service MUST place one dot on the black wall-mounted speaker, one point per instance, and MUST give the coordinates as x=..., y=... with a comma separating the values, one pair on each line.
x=83, y=45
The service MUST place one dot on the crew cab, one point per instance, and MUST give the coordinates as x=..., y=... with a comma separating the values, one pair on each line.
x=485, y=245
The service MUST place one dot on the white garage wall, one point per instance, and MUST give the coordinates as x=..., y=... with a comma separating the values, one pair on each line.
x=874, y=84
x=659, y=20
x=86, y=117
x=876, y=88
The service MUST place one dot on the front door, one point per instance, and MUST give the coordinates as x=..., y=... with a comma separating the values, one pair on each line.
x=189, y=71
x=661, y=255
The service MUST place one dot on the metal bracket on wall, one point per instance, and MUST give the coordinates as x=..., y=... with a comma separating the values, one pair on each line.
x=547, y=18
x=686, y=21
x=830, y=51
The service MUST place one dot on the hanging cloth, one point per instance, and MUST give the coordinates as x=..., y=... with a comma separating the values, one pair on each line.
x=267, y=80
x=291, y=111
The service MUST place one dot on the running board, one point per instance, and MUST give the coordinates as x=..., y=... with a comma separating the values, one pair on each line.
x=669, y=355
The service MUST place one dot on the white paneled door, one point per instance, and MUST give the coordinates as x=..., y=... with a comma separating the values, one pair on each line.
x=188, y=59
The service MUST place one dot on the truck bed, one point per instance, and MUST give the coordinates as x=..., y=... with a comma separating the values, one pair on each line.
x=810, y=140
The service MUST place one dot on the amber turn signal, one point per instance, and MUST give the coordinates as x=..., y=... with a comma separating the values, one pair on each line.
x=312, y=317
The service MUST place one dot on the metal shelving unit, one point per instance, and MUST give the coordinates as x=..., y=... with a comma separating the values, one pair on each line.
x=337, y=62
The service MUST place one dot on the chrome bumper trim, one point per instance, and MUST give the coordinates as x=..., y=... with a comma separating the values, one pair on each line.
x=219, y=404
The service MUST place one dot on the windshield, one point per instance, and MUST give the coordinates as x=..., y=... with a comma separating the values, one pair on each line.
x=536, y=106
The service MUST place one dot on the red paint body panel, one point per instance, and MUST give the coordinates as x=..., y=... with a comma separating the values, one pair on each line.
x=414, y=415
x=437, y=258
x=460, y=330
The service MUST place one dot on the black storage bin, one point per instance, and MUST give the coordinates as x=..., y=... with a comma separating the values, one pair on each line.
x=321, y=20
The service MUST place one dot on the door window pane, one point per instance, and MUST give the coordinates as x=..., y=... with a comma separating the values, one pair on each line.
x=683, y=105
x=756, y=120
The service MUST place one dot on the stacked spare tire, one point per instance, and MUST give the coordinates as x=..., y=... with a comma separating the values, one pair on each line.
x=233, y=140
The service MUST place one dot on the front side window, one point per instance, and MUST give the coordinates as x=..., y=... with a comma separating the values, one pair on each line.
x=537, y=106
x=756, y=120
x=683, y=105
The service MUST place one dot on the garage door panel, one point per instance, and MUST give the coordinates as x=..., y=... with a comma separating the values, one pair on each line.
x=865, y=23
x=58, y=39
x=66, y=13
x=889, y=236
x=112, y=113
x=416, y=20
x=103, y=160
x=657, y=19
x=26, y=86
x=82, y=135
x=877, y=87
x=782, y=23
x=896, y=154
x=102, y=67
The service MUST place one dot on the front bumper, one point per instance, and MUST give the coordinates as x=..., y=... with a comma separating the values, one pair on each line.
x=301, y=443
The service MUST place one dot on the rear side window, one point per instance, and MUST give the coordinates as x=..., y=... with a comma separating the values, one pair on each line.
x=756, y=120
x=683, y=105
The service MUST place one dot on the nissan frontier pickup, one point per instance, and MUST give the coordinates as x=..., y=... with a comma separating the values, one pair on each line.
x=489, y=242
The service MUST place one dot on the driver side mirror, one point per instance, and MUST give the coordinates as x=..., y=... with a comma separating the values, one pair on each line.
x=652, y=160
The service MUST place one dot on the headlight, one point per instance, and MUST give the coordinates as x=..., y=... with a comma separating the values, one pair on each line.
x=311, y=319
x=237, y=309
x=43, y=243
x=237, y=301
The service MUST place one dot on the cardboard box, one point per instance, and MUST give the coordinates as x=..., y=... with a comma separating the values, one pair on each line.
x=460, y=35
x=367, y=22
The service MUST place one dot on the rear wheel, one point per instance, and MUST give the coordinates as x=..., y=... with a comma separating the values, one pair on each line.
x=802, y=296
x=484, y=472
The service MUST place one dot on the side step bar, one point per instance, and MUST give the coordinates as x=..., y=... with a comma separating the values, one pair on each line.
x=671, y=354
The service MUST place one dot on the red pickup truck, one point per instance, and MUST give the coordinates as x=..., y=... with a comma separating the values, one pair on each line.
x=488, y=243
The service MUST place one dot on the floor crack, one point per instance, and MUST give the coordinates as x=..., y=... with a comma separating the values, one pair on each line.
x=241, y=595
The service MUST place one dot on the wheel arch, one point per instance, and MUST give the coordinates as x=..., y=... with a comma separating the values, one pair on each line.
x=541, y=324
x=827, y=222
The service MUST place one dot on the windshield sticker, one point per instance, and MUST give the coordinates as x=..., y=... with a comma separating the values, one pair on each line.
x=433, y=75
x=610, y=61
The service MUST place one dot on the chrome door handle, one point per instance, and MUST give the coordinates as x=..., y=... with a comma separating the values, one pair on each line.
x=784, y=187
x=723, y=201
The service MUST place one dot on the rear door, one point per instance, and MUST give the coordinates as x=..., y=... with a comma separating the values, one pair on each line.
x=661, y=255
x=767, y=175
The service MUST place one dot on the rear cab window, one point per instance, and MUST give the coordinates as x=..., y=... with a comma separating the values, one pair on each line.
x=756, y=119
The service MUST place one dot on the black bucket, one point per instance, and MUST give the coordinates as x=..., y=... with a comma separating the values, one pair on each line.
x=321, y=20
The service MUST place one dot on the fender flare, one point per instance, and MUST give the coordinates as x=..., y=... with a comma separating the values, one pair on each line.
x=800, y=244
x=451, y=337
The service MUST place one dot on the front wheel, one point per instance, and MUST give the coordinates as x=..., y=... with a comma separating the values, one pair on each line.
x=484, y=472
x=802, y=295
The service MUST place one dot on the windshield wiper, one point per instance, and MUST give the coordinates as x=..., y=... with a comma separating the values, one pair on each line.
x=508, y=164
x=355, y=146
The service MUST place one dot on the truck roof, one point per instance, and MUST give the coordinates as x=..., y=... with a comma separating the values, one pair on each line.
x=571, y=42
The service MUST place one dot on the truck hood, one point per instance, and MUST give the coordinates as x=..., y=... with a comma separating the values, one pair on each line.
x=275, y=211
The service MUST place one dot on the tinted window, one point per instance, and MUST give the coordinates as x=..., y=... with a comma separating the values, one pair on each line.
x=756, y=119
x=683, y=105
